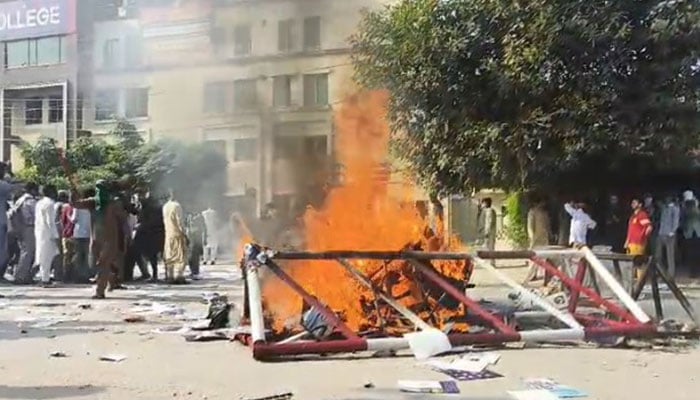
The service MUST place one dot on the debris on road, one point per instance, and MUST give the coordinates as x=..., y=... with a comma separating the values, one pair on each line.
x=85, y=306
x=368, y=385
x=58, y=354
x=428, y=343
x=449, y=387
x=536, y=394
x=219, y=310
x=552, y=386
x=468, y=368
x=134, y=318
x=154, y=308
x=283, y=396
x=207, y=336
x=113, y=358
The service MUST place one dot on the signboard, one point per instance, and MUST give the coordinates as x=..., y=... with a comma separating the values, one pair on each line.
x=24, y=19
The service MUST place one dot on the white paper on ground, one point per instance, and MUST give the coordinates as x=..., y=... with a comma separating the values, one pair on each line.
x=427, y=343
x=420, y=386
x=475, y=362
x=532, y=395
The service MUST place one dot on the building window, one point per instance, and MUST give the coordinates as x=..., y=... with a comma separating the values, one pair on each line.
x=285, y=35
x=133, y=56
x=33, y=52
x=217, y=146
x=55, y=109
x=296, y=147
x=315, y=146
x=245, y=149
x=312, y=33
x=245, y=94
x=33, y=111
x=106, y=102
x=136, y=103
x=215, y=95
x=285, y=147
x=316, y=90
x=242, y=43
x=110, y=49
x=282, y=91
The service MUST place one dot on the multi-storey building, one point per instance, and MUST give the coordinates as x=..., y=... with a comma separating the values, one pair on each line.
x=256, y=79
x=44, y=72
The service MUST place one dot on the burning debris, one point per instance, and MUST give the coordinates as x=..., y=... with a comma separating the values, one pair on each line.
x=369, y=212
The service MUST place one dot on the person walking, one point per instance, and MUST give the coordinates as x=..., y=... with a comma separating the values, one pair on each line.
x=57, y=266
x=150, y=232
x=175, y=252
x=22, y=220
x=211, y=242
x=46, y=233
x=581, y=223
x=107, y=245
x=488, y=224
x=666, y=240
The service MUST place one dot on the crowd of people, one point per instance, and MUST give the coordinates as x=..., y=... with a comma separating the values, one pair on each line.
x=648, y=228
x=100, y=234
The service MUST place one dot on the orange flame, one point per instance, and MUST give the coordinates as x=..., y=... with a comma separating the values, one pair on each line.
x=366, y=213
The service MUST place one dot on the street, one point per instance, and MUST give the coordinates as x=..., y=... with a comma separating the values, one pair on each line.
x=34, y=323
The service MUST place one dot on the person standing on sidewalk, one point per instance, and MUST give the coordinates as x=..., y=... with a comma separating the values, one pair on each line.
x=666, y=240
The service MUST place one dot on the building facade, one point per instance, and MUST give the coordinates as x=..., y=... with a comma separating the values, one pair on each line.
x=258, y=80
x=43, y=78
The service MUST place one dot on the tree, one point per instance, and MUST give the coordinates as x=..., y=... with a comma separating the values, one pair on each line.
x=535, y=94
x=196, y=171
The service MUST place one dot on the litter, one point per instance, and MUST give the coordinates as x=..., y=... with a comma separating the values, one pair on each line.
x=85, y=306
x=428, y=386
x=58, y=354
x=113, y=358
x=48, y=304
x=283, y=396
x=473, y=363
x=218, y=315
x=156, y=309
x=532, y=395
x=557, y=389
x=207, y=336
x=134, y=318
x=427, y=343
x=49, y=322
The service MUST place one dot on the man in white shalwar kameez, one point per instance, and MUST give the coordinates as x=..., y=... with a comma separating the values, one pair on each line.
x=46, y=232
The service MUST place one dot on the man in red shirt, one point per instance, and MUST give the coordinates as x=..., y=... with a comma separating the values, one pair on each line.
x=638, y=232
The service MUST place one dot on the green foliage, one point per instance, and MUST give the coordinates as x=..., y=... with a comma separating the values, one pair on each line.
x=536, y=94
x=190, y=169
x=516, y=216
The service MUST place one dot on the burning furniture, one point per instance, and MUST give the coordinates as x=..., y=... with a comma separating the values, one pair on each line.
x=413, y=294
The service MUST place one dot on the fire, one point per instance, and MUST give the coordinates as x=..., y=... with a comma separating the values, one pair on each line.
x=364, y=214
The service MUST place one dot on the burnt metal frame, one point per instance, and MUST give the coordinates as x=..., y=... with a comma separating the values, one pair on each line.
x=631, y=322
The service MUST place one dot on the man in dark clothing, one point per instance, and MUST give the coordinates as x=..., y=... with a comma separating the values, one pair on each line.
x=196, y=229
x=615, y=225
x=150, y=232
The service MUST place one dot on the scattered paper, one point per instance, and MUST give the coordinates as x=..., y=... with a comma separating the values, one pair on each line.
x=428, y=386
x=156, y=309
x=427, y=343
x=113, y=357
x=557, y=389
x=532, y=394
x=468, y=368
